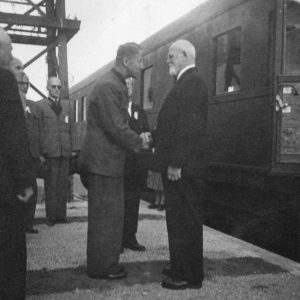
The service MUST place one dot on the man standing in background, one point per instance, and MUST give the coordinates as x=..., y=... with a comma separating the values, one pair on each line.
x=55, y=119
x=135, y=175
x=16, y=67
x=15, y=180
x=34, y=146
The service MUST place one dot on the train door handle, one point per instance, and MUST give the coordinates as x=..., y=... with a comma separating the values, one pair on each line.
x=279, y=103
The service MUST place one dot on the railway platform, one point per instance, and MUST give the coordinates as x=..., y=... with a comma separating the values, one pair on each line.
x=233, y=268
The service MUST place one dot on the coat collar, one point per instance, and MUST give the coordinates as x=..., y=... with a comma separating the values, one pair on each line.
x=187, y=72
x=118, y=75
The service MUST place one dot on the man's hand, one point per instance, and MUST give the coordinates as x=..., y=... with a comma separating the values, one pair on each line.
x=25, y=195
x=147, y=139
x=42, y=159
x=174, y=173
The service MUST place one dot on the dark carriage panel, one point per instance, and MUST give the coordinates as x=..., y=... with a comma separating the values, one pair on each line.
x=239, y=132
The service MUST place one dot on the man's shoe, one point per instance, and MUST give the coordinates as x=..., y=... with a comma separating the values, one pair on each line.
x=135, y=247
x=49, y=223
x=180, y=285
x=63, y=221
x=161, y=207
x=152, y=206
x=31, y=230
x=118, y=275
x=167, y=271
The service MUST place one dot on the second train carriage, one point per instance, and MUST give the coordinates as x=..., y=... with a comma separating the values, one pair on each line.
x=249, y=54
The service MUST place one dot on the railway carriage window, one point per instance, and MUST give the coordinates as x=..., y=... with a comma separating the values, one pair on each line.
x=76, y=111
x=292, y=50
x=147, y=89
x=228, y=62
x=83, y=107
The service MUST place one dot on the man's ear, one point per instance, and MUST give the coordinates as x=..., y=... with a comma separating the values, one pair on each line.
x=125, y=61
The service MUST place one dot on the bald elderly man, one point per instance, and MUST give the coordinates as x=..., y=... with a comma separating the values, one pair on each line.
x=55, y=120
x=180, y=145
x=15, y=178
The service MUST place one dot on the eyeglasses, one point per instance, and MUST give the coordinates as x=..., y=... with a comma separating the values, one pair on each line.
x=23, y=83
x=56, y=86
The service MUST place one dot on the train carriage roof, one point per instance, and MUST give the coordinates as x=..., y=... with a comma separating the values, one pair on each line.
x=191, y=20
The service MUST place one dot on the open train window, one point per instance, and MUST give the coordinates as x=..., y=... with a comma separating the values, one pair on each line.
x=147, y=89
x=83, y=109
x=76, y=111
x=228, y=62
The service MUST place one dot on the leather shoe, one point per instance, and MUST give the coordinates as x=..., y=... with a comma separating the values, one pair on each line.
x=49, y=223
x=135, y=247
x=31, y=230
x=117, y=275
x=63, y=221
x=180, y=285
x=161, y=207
x=167, y=271
x=152, y=206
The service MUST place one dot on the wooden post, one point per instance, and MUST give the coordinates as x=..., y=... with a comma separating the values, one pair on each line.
x=63, y=68
x=51, y=54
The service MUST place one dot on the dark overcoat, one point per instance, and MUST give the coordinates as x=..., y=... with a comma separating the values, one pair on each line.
x=15, y=176
x=180, y=136
x=108, y=133
x=15, y=157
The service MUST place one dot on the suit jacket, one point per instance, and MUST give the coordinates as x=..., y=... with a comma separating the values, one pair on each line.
x=180, y=137
x=108, y=133
x=55, y=131
x=137, y=162
x=33, y=128
x=15, y=159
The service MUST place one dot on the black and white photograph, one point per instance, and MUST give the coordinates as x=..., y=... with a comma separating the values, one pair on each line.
x=149, y=149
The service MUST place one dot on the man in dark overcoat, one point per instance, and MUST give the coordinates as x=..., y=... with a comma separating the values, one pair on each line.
x=55, y=121
x=17, y=68
x=135, y=175
x=33, y=131
x=180, y=145
x=102, y=159
x=15, y=180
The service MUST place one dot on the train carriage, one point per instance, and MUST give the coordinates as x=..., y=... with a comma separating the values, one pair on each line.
x=249, y=54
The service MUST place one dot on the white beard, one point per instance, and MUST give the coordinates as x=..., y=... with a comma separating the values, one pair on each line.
x=172, y=71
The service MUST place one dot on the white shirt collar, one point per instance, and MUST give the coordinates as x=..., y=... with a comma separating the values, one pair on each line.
x=185, y=69
x=129, y=108
x=54, y=100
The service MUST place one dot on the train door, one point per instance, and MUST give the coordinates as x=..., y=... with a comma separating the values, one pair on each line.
x=287, y=90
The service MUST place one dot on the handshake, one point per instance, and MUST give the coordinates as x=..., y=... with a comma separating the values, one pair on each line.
x=147, y=139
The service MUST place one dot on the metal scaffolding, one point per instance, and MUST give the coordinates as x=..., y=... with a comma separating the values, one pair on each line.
x=42, y=23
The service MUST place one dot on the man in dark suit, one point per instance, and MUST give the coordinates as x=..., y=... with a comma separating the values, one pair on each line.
x=102, y=159
x=135, y=175
x=180, y=144
x=17, y=68
x=55, y=121
x=15, y=180
x=34, y=146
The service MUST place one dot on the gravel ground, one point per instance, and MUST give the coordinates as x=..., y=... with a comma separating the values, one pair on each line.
x=233, y=269
x=283, y=287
